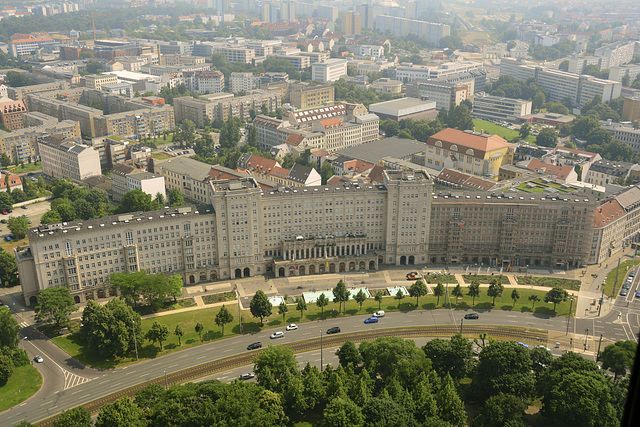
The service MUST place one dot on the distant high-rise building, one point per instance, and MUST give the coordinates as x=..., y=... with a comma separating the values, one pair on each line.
x=288, y=10
x=351, y=23
x=328, y=12
x=366, y=13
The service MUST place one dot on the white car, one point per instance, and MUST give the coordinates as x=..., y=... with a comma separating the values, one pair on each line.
x=292, y=327
x=379, y=313
x=278, y=334
x=38, y=359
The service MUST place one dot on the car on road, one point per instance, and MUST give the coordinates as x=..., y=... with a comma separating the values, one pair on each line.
x=278, y=334
x=38, y=359
x=412, y=276
x=523, y=344
x=24, y=207
x=624, y=292
x=246, y=376
x=542, y=346
x=379, y=313
x=594, y=275
x=254, y=346
x=372, y=319
x=471, y=316
x=626, y=285
x=638, y=294
x=333, y=330
x=292, y=327
x=5, y=213
x=4, y=221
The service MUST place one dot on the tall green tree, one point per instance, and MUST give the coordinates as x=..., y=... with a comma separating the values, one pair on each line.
x=450, y=357
x=515, y=296
x=341, y=294
x=260, y=305
x=349, y=354
x=18, y=226
x=175, y=197
x=283, y=309
x=157, y=333
x=9, y=329
x=503, y=367
x=438, y=291
x=457, y=292
x=378, y=297
x=301, y=306
x=8, y=270
x=533, y=298
x=342, y=412
x=75, y=417
x=495, y=290
x=179, y=333
x=55, y=305
x=6, y=369
x=112, y=329
x=417, y=290
x=502, y=410
x=618, y=357
x=223, y=317
x=474, y=290
x=547, y=137
x=556, y=295
x=399, y=296
x=322, y=301
x=272, y=365
x=450, y=406
x=137, y=201
x=360, y=298
x=199, y=328
x=122, y=412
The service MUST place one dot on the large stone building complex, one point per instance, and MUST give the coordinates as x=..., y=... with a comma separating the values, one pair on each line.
x=244, y=230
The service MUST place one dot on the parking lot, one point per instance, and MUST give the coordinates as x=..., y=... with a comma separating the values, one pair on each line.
x=33, y=212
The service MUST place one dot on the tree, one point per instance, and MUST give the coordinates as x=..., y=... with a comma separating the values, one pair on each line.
x=199, y=329
x=618, y=357
x=474, y=290
x=16, y=79
x=55, y=304
x=457, y=292
x=6, y=369
x=260, y=306
x=348, y=353
x=495, y=290
x=450, y=357
x=538, y=100
x=389, y=357
x=417, y=290
x=501, y=410
x=525, y=129
x=564, y=65
x=326, y=172
x=160, y=199
x=515, y=296
x=360, y=297
x=223, y=317
x=6, y=201
x=342, y=412
x=18, y=226
x=450, y=406
x=547, y=137
x=75, y=417
x=556, y=295
x=378, y=298
x=341, y=294
x=8, y=270
x=503, y=367
x=179, y=333
x=272, y=365
x=283, y=309
x=157, y=333
x=322, y=302
x=9, y=329
x=94, y=67
x=109, y=329
x=137, y=201
x=533, y=298
x=386, y=411
x=301, y=306
x=399, y=296
x=175, y=197
x=252, y=137
x=5, y=160
x=122, y=412
x=230, y=134
x=438, y=291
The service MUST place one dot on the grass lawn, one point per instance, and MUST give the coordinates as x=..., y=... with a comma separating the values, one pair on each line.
x=224, y=296
x=611, y=277
x=569, y=284
x=28, y=167
x=160, y=155
x=74, y=345
x=495, y=129
x=485, y=278
x=24, y=383
x=539, y=186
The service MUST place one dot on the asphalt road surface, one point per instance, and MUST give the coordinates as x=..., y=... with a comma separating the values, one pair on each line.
x=96, y=384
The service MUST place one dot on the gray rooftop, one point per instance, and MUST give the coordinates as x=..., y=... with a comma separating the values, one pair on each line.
x=186, y=166
x=374, y=151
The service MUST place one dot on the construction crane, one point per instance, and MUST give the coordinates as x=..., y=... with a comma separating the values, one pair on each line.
x=93, y=21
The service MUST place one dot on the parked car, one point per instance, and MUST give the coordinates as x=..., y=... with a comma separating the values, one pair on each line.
x=412, y=276
x=254, y=346
x=626, y=285
x=246, y=376
x=624, y=292
x=24, y=207
x=278, y=334
x=379, y=313
x=371, y=320
x=523, y=344
x=471, y=316
x=542, y=346
x=7, y=238
x=38, y=359
x=333, y=330
x=292, y=327
x=638, y=294
x=632, y=274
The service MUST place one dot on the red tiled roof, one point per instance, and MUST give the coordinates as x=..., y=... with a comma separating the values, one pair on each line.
x=560, y=172
x=32, y=40
x=329, y=123
x=608, y=213
x=294, y=139
x=465, y=180
x=377, y=174
x=480, y=144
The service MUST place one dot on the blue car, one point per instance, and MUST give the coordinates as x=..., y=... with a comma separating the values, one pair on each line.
x=371, y=320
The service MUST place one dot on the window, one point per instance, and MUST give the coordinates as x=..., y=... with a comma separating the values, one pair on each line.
x=67, y=249
x=129, y=237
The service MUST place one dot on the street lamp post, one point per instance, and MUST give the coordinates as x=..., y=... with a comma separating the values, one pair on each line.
x=166, y=385
x=239, y=311
x=461, y=322
x=321, y=364
x=598, y=353
x=569, y=317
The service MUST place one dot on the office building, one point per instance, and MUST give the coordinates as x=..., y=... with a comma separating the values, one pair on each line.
x=624, y=133
x=96, y=81
x=404, y=108
x=402, y=27
x=444, y=72
x=330, y=13
x=618, y=73
x=487, y=107
x=329, y=70
x=204, y=81
x=401, y=221
x=21, y=92
x=64, y=158
x=304, y=95
x=27, y=46
x=239, y=54
x=445, y=95
x=299, y=62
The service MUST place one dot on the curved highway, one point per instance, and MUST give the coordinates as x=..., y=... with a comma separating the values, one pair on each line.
x=98, y=384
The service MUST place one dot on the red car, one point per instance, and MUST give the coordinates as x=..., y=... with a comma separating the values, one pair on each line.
x=5, y=213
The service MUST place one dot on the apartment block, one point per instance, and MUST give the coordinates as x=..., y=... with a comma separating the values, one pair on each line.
x=147, y=182
x=299, y=62
x=402, y=27
x=329, y=71
x=21, y=92
x=351, y=23
x=304, y=95
x=617, y=73
x=96, y=81
x=444, y=71
x=189, y=176
x=631, y=109
x=243, y=81
x=309, y=231
x=11, y=114
x=445, y=95
x=489, y=107
x=21, y=144
x=624, y=133
x=560, y=84
x=204, y=81
x=239, y=54
x=64, y=158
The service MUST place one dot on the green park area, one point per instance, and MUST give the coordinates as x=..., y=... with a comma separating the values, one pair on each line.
x=622, y=274
x=540, y=186
x=494, y=129
x=76, y=346
x=24, y=383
